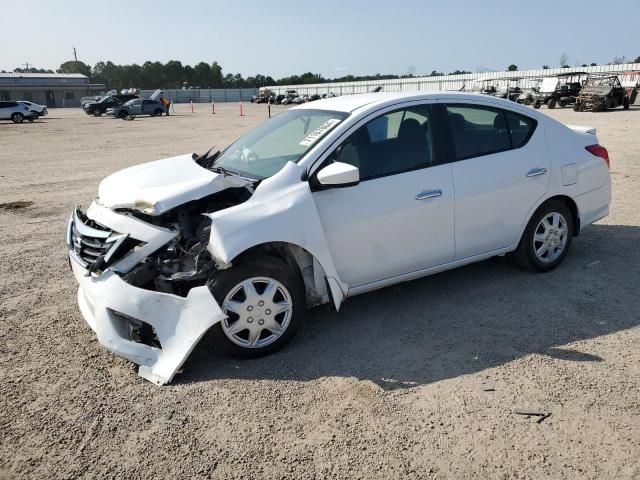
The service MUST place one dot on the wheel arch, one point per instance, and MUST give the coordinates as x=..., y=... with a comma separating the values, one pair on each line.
x=568, y=201
x=304, y=263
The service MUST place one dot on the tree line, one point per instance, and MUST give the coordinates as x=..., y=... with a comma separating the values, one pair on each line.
x=173, y=74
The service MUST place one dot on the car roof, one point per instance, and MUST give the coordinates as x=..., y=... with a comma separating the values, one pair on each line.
x=350, y=103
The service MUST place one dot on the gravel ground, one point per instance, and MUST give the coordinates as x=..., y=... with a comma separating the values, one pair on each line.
x=420, y=380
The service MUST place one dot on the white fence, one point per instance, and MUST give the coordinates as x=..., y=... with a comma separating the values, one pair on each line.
x=207, y=95
x=446, y=82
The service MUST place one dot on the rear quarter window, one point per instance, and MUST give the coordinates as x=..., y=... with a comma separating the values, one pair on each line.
x=520, y=128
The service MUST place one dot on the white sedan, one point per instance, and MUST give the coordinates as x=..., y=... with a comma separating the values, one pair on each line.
x=322, y=202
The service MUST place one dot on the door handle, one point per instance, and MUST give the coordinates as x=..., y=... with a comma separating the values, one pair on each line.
x=429, y=194
x=534, y=172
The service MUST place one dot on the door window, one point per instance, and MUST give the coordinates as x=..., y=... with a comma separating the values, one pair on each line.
x=392, y=143
x=478, y=130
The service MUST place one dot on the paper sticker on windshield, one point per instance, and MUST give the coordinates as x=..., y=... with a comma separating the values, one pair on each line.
x=318, y=132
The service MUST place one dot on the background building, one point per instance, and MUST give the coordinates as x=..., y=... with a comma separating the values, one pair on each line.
x=50, y=89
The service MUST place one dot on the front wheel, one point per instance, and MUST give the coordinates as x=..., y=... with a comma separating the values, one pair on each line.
x=264, y=300
x=157, y=112
x=536, y=104
x=625, y=103
x=97, y=113
x=547, y=238
x=551, y=103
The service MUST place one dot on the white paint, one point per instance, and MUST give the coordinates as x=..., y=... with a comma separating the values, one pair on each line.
x=156, y=187
x=338, y=173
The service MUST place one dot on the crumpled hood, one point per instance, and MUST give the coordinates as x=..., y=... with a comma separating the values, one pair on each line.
x=159, y=186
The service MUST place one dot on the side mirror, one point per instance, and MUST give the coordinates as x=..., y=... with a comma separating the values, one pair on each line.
x=338, y=174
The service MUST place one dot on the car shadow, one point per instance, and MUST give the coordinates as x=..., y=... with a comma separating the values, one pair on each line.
x=458, y=322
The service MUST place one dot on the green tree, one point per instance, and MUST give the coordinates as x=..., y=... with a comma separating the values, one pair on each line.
x=75, y=67
x=512, y=68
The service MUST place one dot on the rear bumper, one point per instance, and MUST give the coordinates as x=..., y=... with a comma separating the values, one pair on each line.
x=594, y=205
x=114, y=310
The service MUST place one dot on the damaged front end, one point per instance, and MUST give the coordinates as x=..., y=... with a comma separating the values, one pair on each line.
x=143, y=279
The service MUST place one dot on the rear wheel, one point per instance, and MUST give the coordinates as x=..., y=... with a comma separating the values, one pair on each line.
x=625, y=103
x=536, y=104
x=547, y=238
x=527, y=101
x=576, y=107
x=158, y=112
x=551, y=103
x=17, y=117
x=97, y=112
x=265, y=303
x=123, y=113
x=563, y=103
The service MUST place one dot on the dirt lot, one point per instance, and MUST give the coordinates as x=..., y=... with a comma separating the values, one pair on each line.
x=420, y=380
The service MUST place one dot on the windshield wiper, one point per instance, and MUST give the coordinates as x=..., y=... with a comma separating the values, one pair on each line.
x=206, y=160
x=223, y=171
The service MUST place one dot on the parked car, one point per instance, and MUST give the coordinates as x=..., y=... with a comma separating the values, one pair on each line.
x=16, y=112
x=36, y=109
x=138, y=106
x=600, y=92
x=101, y=107
x=359, y=192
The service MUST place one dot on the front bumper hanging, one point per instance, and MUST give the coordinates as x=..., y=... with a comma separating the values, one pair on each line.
x=118, y=311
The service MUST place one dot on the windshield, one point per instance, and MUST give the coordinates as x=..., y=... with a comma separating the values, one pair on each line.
x=263, y=151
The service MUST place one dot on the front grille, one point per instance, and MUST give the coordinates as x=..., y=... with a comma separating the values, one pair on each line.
x=94, y=245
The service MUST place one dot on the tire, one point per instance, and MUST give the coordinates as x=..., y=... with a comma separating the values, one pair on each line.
x=17, y=117
x=123, y=114
x=227, y=288
x=625, y=103
x=576, y=107
x=30, y=119
x=157, y=112
x=527, y=101
x=562, y=104
x=551, y=103
x=97, y=113
x=536, y=236
x=536, y=104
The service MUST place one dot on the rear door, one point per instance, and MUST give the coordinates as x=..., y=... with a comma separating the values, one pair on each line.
x=500, y=168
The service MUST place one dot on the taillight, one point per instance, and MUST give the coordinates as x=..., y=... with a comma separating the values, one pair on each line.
x=599, y=151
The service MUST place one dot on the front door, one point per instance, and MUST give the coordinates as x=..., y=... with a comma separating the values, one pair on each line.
x=399, y=218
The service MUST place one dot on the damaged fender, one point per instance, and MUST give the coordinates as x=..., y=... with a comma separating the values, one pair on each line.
x=282, y=209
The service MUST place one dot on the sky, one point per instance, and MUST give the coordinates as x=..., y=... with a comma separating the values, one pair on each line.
x=330, y=37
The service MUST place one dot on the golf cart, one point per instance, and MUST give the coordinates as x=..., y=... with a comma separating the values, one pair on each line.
x=512, y=91
x=488, y=86
x=529, y=94
x=600, y=92
x=631, y=83
x=560, y=90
